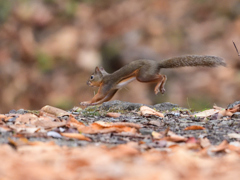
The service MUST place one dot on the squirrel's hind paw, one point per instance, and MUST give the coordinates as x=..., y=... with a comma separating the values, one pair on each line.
x=85, y=103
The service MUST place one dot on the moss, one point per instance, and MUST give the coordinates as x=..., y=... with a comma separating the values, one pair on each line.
x=91, y=111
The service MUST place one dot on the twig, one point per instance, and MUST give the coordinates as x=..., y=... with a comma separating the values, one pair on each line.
x=236, y=48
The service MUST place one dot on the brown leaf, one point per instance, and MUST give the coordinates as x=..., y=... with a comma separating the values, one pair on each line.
x=204, y=142
x=234, y=135
x=26, y=118
x=113, y=114
x=194, y=128
x=2, y=117
x=157, y=135
x=47, y=122
x=54, y=111
x=72, y=122
x=4, y=128
x=207, y=113
x=76, y=136
x=221, y=147
x=147, y=111
x=235, y=108
x=117, y=124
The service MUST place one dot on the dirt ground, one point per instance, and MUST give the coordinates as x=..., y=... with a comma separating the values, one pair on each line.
x=120, y=140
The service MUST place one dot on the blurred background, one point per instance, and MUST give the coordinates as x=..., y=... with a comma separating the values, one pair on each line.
x=49, y=48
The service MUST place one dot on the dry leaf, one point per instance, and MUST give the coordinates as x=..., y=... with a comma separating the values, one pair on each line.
x=234, y=135
x=26, y=118
x=4, y=129
x=72, y=122
x=194, y=128
x=223, y=112
x=204, y=142
x=117, y=124
x=54, y=111
x=157, y=135
x=234, y=146
x=47, y=122
x=76, y=136
x=2, y=116
x=235, y=108
x=113, y=114
x=221, y=147
x=174, y=137
x=147, y=111
x=207, y=113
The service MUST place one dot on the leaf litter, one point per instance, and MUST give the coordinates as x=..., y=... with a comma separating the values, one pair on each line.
x=118, y=145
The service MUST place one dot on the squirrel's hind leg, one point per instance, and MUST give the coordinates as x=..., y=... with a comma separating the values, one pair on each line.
x=160, y=85
x=156, y=77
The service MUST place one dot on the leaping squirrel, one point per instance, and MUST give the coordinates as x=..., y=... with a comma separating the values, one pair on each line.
x=143, y=71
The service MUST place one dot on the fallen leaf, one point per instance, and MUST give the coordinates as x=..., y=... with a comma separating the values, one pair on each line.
x=171, y=136
x=117, y=124
x=147, y=111
x=235, y=108
x=113, y=114
x=234, y=135
x=72, y=122
x=157, y=135
x=26, y=118
x=47, y=123
x=2, y=116
x=4, y=128
x=54, y=111
x=221, y=147
x=204, y=142
x=223, y=112
x=234, y=146
x=207, y=113
x=76, y=136
x=194, y=128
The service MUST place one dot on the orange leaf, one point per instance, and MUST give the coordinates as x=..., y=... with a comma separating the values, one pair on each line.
x=72, y=122
x=194, y=128
x=53, y=110
x=221, y=147
x=76, y=136
x=117, y=124
x=146, y=111
x=112, y=114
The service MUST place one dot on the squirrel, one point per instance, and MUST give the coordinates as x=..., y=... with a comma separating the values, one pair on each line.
x=143, y=71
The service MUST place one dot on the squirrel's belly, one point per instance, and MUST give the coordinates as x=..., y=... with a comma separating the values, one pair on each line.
x=125, y=82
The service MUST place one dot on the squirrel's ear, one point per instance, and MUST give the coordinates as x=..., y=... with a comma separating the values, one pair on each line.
x=101, y=68
x=97, y=70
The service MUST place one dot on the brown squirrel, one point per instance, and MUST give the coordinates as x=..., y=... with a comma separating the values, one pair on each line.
x=143, y=71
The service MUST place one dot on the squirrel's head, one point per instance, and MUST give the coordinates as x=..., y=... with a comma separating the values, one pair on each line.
x=97, y=77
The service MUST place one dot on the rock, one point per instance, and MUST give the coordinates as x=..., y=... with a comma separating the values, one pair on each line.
x=165, y=106
x=20, y=111
x=121, y=106
x=233, y=104
x=236, y=115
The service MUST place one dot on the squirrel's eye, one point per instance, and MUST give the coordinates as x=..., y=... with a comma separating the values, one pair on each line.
x=91, y=77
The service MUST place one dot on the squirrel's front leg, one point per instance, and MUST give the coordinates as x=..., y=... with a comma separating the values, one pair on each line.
x=100, y=97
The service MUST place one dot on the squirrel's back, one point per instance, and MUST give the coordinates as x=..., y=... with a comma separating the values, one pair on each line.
x=192, y=60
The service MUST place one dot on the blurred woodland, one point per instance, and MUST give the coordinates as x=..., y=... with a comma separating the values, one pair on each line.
x=49, y=48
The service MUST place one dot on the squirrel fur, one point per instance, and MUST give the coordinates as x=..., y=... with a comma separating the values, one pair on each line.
x=143, y=71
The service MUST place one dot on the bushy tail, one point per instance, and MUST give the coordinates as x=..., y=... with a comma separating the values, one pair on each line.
x=192, y=60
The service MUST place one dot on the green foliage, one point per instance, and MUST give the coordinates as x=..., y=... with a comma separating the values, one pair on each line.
x=5, y=8
x=45, y=62
x=199, y=103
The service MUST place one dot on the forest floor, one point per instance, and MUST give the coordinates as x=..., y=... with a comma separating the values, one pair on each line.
x=121, y=140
